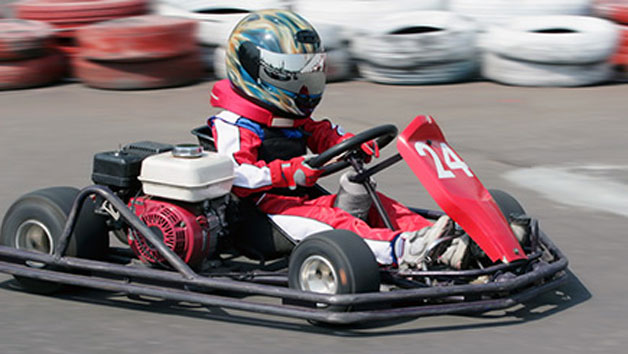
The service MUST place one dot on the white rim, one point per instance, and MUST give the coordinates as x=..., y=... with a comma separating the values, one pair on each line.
x=318, y=275
x=32, y=235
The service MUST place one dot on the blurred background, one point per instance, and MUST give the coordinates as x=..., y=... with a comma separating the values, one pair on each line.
x=407, y=42
x=531, y=93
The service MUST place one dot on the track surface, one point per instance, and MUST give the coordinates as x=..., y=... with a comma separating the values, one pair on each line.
x=49, y=135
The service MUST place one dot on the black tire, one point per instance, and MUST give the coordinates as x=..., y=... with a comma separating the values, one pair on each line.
x=512, y=210
x=507, y=203
x=36, y=221
x=353, y=265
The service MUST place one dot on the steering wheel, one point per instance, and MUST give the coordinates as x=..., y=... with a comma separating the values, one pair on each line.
x=383, y=134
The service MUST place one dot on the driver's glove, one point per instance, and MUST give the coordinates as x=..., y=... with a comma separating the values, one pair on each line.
x=294, y=172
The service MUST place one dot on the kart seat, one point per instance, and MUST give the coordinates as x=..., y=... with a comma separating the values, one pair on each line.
x=257, y=236
x=205, y=137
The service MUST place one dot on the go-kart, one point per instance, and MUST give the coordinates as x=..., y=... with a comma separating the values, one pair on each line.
x=181, y=235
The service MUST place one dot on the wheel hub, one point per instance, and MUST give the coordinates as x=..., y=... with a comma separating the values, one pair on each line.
x=32, y=235
x=318, y=275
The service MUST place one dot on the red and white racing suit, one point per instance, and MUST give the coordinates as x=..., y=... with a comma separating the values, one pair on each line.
x=239, y=132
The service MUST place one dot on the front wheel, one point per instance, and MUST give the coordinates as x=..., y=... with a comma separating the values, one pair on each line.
x=514, y=213
x=507, y=203
x=334, y=262
x=35, y=222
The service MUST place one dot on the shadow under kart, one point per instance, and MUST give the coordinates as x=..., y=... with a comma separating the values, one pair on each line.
x=56, y=245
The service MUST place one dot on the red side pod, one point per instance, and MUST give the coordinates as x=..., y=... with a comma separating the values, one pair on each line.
x=456, y=189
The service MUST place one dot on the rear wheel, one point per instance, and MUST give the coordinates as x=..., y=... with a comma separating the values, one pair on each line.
x=35, y=222
x=334, y=262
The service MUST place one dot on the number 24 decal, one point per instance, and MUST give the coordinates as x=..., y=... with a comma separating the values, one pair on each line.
x=452, y=160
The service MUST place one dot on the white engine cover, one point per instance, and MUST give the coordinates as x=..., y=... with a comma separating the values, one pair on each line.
x=188, y=179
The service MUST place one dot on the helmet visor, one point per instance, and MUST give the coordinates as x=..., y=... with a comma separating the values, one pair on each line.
x=296, y=73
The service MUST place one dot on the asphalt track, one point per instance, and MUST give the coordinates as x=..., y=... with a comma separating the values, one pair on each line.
x=561, y=152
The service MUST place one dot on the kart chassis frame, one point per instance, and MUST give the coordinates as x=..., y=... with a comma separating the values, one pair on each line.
x=184, y=284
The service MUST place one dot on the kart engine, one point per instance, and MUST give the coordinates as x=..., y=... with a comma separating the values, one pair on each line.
x=185, y=195
x=190, y=231
x=195, y=185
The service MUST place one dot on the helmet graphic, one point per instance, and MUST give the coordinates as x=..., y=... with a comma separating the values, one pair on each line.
x=275, y=58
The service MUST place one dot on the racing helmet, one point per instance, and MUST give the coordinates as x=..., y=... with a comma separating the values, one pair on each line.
x=275, y=58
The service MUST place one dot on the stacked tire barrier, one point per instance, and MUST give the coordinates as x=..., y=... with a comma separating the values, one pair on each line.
x=66, y=16
x=391, y=42
x=216, y=19
x=550, y=51
x=420, y=47
x=499, y=12
x=140, y=52
x=341, y=22
x=358, y=15
x=338, y=63
x=27, y=58
x=617, y=11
